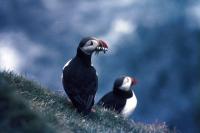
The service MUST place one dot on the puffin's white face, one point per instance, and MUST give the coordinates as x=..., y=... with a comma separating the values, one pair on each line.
x=127, y=83
x=94, y=45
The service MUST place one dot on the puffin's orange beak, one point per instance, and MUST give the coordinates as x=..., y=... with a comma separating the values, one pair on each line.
x=134, y=81
x=103, y=44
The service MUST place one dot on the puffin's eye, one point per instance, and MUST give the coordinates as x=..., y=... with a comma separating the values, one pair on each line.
x=91, y=43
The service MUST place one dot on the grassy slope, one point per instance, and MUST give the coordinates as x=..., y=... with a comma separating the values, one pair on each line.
x=56, y=112
x=15, y=115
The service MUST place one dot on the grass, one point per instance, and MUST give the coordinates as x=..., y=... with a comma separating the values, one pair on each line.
x=40, y=110
x=15, y=115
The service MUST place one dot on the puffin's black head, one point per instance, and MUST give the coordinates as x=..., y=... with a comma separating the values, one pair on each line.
x=124, y=83
x=90, y=44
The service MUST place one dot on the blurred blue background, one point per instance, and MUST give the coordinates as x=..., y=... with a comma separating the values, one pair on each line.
x=155, y=41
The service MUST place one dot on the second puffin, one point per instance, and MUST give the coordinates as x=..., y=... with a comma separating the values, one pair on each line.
x=122, y=99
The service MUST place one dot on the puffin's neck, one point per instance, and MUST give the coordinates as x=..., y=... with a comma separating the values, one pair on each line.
x=123, y=94
x=84, y=57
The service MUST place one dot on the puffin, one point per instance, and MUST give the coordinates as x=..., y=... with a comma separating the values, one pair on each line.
x=79, y=77
x=121, y=99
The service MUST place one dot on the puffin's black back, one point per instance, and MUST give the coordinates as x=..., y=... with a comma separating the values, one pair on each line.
x=80, y=82
x=113, y=102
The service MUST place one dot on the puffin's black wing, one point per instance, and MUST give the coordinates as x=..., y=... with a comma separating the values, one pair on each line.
x=80, y=84
x=112, y=102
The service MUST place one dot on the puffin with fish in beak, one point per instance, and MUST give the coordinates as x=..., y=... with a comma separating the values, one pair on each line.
x=79, y=78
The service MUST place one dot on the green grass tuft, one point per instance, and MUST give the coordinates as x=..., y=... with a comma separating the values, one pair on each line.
x=36, y=109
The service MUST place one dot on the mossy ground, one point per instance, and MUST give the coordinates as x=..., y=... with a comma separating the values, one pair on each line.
x=44, y=111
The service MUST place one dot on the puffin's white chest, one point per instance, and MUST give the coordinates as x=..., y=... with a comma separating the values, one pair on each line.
x=66, y=66
x=67, y=63
x=130, y=106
